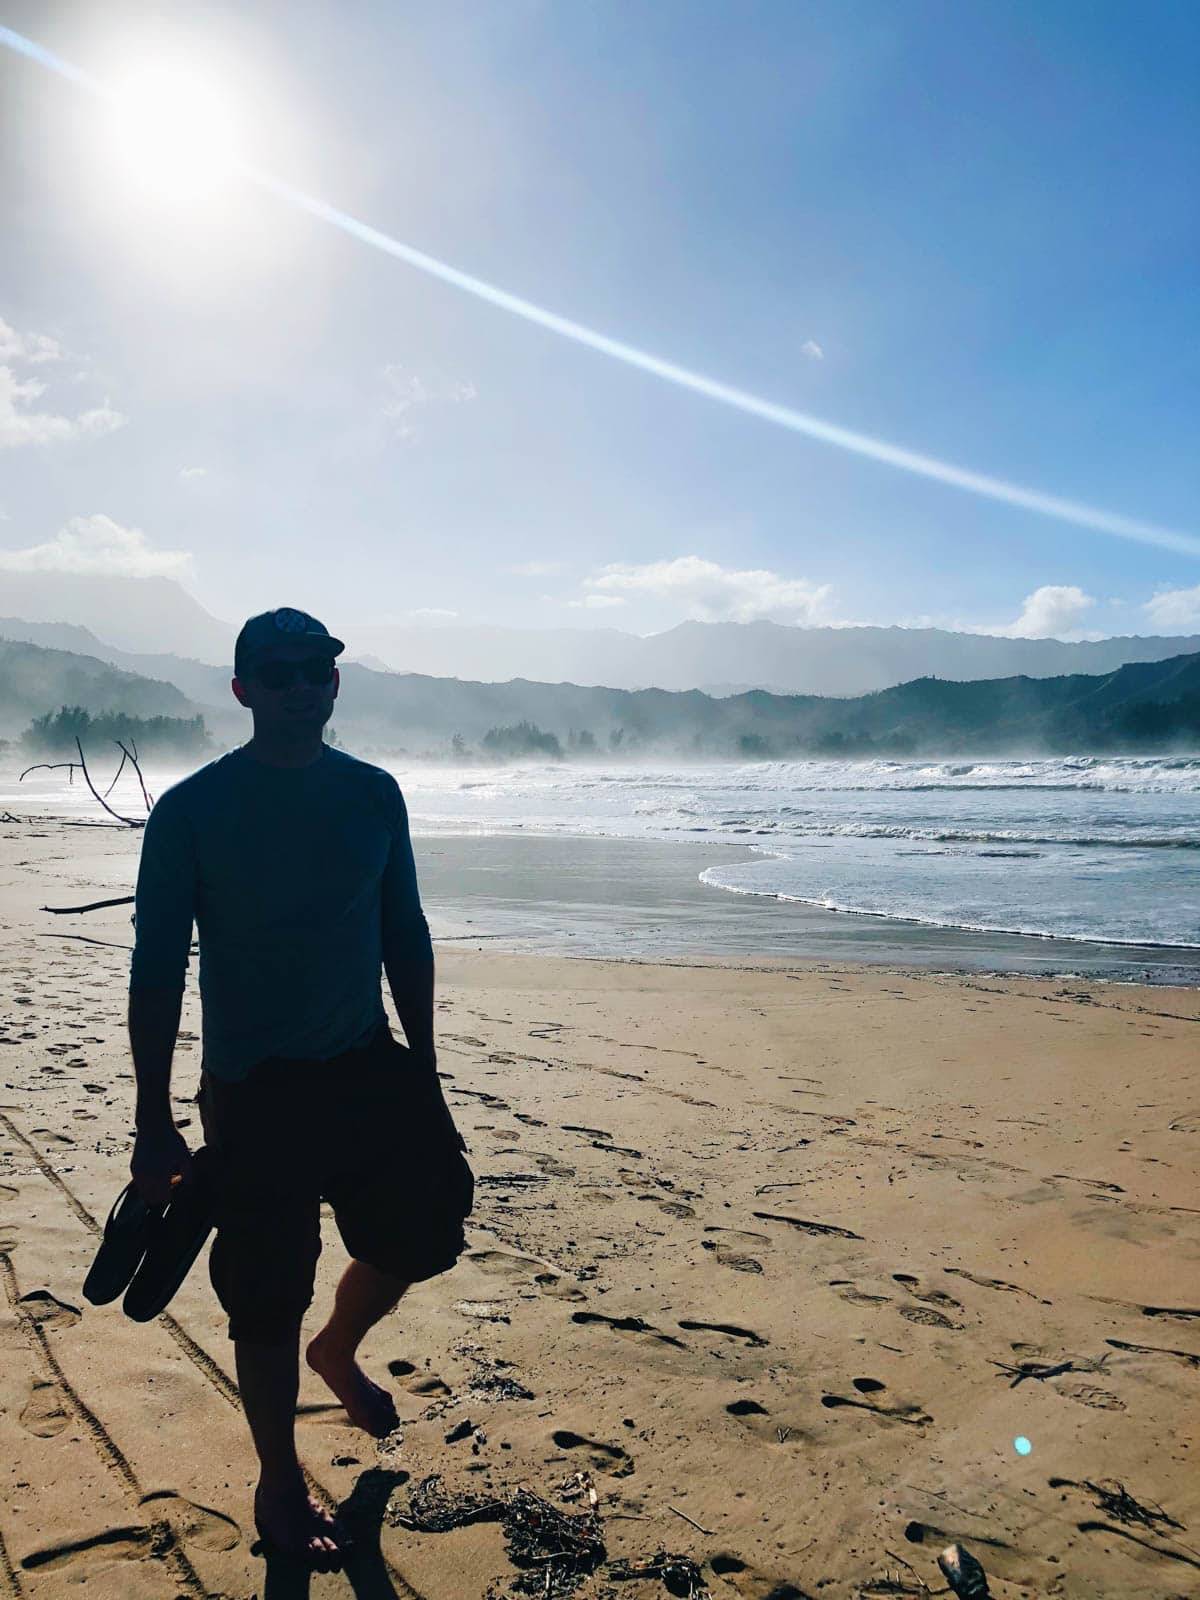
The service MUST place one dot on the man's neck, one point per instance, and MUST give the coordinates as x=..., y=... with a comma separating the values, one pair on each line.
x=285, y=753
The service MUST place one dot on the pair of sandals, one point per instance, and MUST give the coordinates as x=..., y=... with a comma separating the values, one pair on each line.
x=147, y=1251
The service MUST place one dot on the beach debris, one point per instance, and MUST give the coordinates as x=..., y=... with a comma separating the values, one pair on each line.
x=1115, y=1501
x=679, y=1574
x=576, y=1487
x=556, y=1550
x=963, y=1573
x=690, y=1520
x=1041, y=1370
x=431, y=1509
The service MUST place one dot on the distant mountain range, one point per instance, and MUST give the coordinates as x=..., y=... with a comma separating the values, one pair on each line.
x=1145, y=705
x=154, y=619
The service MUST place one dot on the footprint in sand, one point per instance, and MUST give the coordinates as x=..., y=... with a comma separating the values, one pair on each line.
x=927, y=1317
x=43, y=1414
x=553, y=1168
x=51, y=1136
x=925, y=1314
x=854, y=1296
x=525, y=1270
x=913, y=1415
x=994, y=1283
x=114, y=1544
x=751, y=1583
x=630, y=1325
x=731, y=1258
x=746, y=1408
x=730, y=1331
x=47, y=1311
x=192, y=1523
x=428, y=1384
x=550, y=1283
x=609, y=1458
x=1088, y=1395
x=933, y=1297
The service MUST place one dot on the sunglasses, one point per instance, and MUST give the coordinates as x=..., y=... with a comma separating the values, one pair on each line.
x=282, y=674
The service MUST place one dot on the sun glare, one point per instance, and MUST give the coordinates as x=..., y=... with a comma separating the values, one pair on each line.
x=174, y=133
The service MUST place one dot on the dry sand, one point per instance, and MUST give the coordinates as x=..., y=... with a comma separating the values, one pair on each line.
x=763, y=1244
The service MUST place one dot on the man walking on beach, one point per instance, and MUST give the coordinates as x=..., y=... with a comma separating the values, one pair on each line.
x=294, y=861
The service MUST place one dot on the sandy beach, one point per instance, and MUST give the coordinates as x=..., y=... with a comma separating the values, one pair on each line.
x=784, y=1254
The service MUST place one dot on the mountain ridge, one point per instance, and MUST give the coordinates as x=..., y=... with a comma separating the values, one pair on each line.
x=1156, y=703
x=157, y=618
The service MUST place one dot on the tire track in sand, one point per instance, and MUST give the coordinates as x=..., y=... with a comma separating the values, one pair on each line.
x=195, y=1353
x=165, y=1545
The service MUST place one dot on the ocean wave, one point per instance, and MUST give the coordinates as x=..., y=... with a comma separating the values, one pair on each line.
x=947, y=919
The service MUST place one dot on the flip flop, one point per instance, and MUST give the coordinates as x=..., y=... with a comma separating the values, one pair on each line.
x=127, y=1234
x=177, y=1239
x=963, y=1573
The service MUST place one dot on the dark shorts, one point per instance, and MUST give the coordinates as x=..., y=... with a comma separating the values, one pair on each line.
x=362, y=1131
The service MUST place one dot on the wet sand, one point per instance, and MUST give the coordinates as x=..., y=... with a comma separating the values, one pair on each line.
x=643, y=898
x=763, y=1246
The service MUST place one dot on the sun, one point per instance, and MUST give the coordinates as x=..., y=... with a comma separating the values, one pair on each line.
x=174, y=133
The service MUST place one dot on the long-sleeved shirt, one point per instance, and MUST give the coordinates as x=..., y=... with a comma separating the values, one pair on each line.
x=301, y=884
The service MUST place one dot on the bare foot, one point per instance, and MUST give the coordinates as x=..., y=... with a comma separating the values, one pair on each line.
x=367, y=1405
x=291, y=1523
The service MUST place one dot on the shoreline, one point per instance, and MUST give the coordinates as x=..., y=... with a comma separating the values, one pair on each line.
x=611, y=897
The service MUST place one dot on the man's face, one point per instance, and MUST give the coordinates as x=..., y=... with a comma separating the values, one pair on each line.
x=297, y=706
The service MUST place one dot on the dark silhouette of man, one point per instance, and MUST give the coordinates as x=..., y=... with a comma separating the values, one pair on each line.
x=294, y=861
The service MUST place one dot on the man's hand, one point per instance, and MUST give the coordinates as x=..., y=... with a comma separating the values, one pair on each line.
x=161, y=1158
x=424, y=1067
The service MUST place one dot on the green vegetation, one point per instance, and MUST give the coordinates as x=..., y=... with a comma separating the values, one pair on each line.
x=56, y=732
x=521, y=739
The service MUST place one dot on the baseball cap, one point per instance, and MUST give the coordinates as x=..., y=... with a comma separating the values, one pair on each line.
x=284, y=625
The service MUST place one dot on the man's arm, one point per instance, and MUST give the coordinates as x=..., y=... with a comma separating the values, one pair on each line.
x=407, y=950
x=165, y=901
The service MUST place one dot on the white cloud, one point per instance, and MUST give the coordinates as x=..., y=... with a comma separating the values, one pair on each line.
x=1053, y=611
x=714, y=593
x=1175, y=608
x=192, y=474
x=31, y=348
x=432, y=613
x=597, y=602
x=812, y=350
x=21, y=422
x=537, y=569
x=410, y=394
x=98, y=545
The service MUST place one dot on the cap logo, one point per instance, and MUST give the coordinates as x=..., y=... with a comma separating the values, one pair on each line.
x=289, y=621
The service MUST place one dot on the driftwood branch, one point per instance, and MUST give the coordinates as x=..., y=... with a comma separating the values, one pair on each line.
x=131, y=822
x=93, y=905
x=128, y=754
x=132, y=755
x=51, y=766
x=118, y=772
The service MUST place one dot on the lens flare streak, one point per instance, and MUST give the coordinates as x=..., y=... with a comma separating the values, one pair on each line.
x=800, y=422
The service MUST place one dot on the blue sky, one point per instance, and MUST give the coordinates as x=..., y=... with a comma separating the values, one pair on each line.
x=967, y=230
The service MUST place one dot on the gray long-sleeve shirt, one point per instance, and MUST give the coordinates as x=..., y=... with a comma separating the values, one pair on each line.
x=300, y=882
